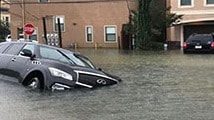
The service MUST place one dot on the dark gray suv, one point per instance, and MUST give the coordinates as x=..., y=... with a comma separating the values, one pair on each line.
x=199, y=43
x=41, y=66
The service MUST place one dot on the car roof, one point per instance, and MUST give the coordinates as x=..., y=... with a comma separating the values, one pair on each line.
x=38, y=44
x=201, y=34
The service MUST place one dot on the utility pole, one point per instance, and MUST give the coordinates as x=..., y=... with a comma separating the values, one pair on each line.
x=45, y=30
x=23, y=13
x=59, y=33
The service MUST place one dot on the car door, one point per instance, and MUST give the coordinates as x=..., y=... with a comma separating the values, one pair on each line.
x=3, y=61
x=13, y=64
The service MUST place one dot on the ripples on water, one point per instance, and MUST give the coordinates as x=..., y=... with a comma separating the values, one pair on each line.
x=156, y=86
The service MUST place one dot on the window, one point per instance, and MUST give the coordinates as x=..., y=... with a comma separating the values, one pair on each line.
x=62, y=23
x=110, y=33
x=14, y=49
x=209, y=2
x=30, y=47
x=89, y=32
x=34, y=36
x=53, y=54
x=43, y=0
x=185, y=2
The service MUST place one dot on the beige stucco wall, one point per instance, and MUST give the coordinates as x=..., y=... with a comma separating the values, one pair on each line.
x=197, y=13
x=77, y=17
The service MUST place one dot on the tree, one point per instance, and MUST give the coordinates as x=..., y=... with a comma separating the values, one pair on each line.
x=150, y=22
x=4, y=29
x=142, y=24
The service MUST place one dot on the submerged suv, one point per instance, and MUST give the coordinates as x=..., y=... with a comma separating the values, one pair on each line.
x=199, y=43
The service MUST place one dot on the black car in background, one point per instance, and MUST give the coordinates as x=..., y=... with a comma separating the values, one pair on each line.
x=199, y=43
x=41, y=66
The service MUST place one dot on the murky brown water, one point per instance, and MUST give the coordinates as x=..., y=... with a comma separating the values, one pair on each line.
x=156, y=86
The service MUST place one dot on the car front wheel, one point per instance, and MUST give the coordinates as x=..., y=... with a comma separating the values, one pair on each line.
x=34, y=83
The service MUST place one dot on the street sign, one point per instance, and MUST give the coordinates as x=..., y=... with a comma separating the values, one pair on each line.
x=28, y=29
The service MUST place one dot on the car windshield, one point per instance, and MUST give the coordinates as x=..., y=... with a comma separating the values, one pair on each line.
x=79, y=59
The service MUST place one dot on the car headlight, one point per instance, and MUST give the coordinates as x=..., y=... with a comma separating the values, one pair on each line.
x=59, y=73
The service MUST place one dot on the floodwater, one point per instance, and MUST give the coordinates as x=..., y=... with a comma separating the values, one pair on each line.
x=156, y=86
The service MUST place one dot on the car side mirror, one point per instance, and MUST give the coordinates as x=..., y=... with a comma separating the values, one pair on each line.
x=27, y=53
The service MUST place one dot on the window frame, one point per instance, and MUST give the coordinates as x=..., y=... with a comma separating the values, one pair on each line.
x=206, y=4
x=185, y=6
x=55, y=29
x=86, y=34
x=105, y=34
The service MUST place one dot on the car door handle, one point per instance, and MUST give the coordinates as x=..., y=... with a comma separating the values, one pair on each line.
x=13, y=59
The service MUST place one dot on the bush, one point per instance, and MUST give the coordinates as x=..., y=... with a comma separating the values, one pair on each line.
x=157, y=46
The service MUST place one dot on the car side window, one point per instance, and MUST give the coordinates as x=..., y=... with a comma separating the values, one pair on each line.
x=53, y=54
x=3, y=47
x=14, y=49
x=29, y=47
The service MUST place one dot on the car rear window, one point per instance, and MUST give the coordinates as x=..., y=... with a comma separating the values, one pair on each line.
x=200, y=39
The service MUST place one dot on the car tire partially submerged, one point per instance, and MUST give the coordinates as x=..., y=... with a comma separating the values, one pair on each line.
x=34, y=83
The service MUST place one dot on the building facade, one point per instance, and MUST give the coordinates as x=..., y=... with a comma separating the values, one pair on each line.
x=4, y=13
x=198, y=17
x=84, y=23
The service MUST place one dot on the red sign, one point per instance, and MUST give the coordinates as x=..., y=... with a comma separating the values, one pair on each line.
x=29, y=29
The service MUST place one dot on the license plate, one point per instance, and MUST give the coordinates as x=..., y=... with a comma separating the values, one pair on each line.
x=198, y=47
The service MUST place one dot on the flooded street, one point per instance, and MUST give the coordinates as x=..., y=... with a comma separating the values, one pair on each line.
x=156, y=86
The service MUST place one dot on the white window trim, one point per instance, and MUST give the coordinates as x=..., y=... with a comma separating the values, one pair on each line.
x=86, y=33
x=105, y=33
x=208, y=5
x=186, y=6
x=54, y=18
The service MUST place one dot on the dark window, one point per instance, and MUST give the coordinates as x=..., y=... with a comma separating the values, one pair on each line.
x=43, y=0
x=110, y=33
x=62, y=23
x=210, y=1
x=3, y=47
x=14, y=49
x=200, y=38
x=89, y=34
x=186, y=2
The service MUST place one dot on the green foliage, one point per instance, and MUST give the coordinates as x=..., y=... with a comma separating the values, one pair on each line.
x=4, y=30
x=172, y=18
x=150, y=22
x=143, y=24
